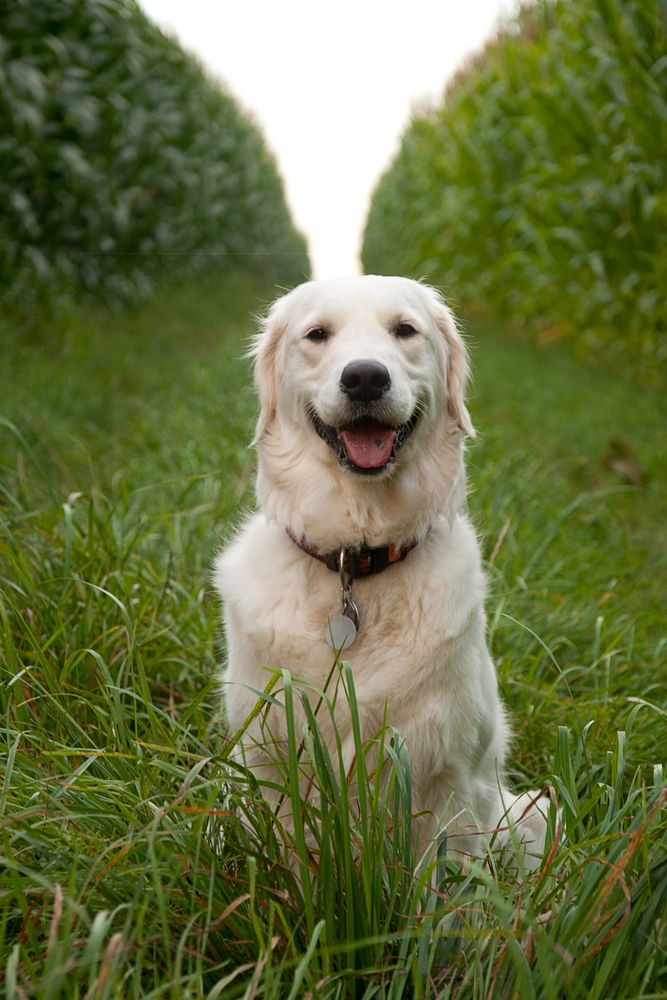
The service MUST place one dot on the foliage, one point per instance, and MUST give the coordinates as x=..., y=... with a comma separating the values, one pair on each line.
x=537, y=188
x=139, y=860
x=122, y=163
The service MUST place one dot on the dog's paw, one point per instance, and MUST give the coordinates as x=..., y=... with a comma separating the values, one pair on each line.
x=523, y=828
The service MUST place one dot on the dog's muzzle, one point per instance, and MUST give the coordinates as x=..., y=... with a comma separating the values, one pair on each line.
x=365, y=445
x=366, y=440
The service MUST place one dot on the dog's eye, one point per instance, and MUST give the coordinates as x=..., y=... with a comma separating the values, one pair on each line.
x=318, y=334
x=405, y=330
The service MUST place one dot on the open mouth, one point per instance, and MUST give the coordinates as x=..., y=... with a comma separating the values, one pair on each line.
x=365, y=446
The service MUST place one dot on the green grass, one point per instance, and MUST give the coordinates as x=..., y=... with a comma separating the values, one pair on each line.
x=583, y=555
x=139, y=861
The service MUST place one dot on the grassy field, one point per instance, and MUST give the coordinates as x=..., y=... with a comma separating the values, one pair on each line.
x=126, y=869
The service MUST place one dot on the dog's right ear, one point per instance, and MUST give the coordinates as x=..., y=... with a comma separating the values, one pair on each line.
x=265, y=352
x=456, y=362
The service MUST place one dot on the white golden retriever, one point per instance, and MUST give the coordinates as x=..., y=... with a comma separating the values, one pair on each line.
x=360, y=458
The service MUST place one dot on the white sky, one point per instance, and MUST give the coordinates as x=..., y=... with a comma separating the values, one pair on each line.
x=332, y=87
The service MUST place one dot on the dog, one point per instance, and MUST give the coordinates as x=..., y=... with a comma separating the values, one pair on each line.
x=362, y=531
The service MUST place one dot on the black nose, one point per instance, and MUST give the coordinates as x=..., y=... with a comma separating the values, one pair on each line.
x=365, y=381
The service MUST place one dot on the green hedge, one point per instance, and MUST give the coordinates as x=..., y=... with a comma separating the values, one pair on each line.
x=121, y=162
x=538, y=188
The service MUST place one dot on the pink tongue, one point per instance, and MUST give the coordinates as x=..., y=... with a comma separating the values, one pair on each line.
x=368, y=445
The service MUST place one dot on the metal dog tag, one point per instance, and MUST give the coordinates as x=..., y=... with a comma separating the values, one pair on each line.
x=341, y=633
x=342, y=630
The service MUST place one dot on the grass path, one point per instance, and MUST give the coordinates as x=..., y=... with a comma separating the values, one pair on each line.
x=573, y=464
x=123, y=463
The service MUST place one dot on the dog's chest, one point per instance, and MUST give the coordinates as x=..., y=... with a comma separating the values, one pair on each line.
x=281, y=601
x=396, y=633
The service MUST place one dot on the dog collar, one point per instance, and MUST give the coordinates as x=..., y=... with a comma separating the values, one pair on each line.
x=357, y=562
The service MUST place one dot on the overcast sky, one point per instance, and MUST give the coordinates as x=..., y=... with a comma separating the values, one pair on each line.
x=332, y=87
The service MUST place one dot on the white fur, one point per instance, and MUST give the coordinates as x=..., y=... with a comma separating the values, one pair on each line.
x=421, y=650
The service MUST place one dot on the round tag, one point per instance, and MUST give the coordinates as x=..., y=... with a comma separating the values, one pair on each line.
x=340, y=633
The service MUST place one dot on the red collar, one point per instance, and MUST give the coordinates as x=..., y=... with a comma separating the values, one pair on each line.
x=359, y=561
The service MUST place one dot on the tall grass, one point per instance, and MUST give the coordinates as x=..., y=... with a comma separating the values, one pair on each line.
x=140, y=859
x=536, y=188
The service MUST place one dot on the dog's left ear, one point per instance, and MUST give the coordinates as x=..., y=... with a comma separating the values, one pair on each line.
x=457, y=365
x=265, y=352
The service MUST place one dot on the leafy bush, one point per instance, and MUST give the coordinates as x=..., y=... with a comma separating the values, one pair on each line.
x=121, y=162
x=538, y=186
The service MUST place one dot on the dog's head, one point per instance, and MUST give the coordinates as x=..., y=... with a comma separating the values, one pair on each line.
x=365, y=366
